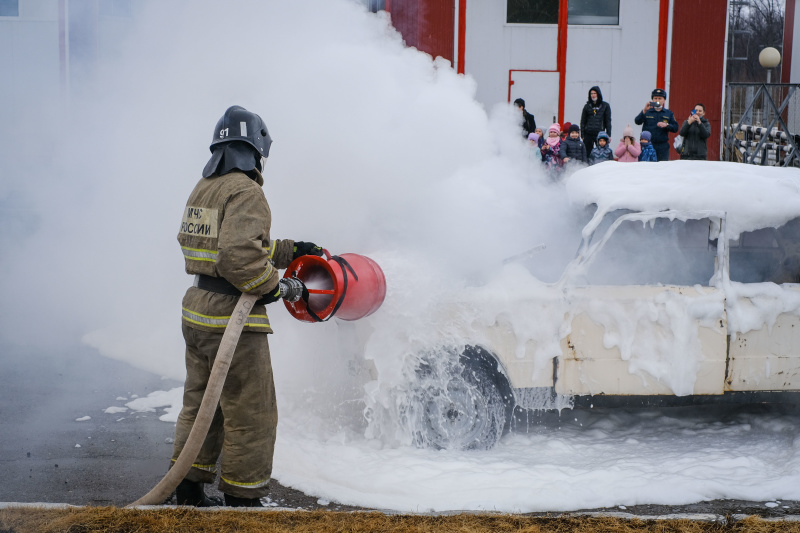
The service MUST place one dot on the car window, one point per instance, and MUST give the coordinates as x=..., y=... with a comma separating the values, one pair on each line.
x=767, y=254
x=659, y=252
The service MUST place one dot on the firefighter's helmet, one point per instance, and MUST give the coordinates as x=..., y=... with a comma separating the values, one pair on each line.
x=239, y=124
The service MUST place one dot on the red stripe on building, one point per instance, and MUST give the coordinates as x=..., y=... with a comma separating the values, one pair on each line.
x=663, y=28
x=561, y=61
x=788, y=36
x=462, y=34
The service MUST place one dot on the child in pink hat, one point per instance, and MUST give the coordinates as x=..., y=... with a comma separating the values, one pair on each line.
x=553, y=150
x=628, y=149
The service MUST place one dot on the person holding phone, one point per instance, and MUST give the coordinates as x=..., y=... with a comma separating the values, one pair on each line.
x=659, y=121
x=695, y=131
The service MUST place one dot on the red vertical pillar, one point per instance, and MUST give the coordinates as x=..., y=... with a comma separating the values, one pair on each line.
x=663, y=28
x=462, y=34
x=563, y=17
x=788, y=36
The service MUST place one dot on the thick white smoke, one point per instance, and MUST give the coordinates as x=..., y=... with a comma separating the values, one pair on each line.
x=378, y=149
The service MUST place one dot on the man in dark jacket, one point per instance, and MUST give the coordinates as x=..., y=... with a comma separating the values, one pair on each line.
x=595, y=117
x=695, y=131
x=659, y=121
x=528, y=122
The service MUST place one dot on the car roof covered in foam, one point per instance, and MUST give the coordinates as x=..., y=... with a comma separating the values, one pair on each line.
x=751, y=196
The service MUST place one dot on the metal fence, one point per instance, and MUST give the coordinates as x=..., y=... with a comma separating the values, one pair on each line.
x=762, y=122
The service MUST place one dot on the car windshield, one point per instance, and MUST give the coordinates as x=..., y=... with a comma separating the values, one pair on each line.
x=657, y=252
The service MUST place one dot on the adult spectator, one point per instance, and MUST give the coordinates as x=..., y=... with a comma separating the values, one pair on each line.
x=659, y=121
x=595, y=117
x=695, y=130
x=528, y=121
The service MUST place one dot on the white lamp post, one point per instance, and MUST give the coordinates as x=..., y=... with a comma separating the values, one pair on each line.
x=769, y=58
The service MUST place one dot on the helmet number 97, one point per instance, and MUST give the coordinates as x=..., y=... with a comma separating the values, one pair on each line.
x=223, y=133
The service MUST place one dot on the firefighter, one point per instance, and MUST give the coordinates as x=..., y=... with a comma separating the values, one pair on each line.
x=224, y=236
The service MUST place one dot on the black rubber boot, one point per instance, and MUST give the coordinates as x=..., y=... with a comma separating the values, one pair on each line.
x=192, y=493
x=234, y=501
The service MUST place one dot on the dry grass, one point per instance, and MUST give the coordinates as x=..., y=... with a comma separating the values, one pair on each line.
x=114, y=520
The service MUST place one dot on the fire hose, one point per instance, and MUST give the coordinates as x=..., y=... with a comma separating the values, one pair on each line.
x=363, y=299
x=208, y=406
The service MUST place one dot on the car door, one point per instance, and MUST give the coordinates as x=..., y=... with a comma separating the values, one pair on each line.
x=764, y=306
x=645, y=317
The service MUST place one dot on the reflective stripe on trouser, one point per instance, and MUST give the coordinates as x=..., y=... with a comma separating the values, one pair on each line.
x=243, y=428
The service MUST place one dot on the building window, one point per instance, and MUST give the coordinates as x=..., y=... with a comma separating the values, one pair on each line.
x=532, y=12
x=578, y=12
x=593, y=12
x=375, y=5
x=9, y=8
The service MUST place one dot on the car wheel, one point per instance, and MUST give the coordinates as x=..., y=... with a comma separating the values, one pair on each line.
x=464, y=409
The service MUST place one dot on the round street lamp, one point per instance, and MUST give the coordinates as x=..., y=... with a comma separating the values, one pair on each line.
x=769, y=58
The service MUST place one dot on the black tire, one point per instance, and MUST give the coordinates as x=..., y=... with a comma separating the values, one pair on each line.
x=469, y=409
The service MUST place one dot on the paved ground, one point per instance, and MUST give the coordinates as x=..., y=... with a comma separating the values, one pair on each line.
x=122, y=456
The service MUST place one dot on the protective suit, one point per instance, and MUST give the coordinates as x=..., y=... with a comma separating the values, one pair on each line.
x=225, y=240
x=225, y=234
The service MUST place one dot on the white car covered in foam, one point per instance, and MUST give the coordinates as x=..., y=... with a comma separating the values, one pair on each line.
x=683, y=291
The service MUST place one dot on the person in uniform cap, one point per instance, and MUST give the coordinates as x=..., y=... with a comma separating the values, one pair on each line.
x=659, y=121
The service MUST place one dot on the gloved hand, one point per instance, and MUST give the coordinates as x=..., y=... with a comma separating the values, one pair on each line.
x=306, y=248
x=273, y=296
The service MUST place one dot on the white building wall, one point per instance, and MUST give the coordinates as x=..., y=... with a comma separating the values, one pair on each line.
x=621, y=59
x=29, y=60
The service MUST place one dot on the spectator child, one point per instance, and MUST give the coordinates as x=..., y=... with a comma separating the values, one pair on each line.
x=565, y=132
x=576, y=150
x=540, y=133
x=553, y=150
x=628, y=149
x=648, y=153
x=601, y=152
x=533, y=144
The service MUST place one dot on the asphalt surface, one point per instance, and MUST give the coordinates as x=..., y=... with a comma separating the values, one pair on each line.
x=111, y=459
x=46, y=456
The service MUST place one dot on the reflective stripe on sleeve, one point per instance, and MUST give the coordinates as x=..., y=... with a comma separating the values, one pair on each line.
x=197, y=254
x=255, y=282
x=270, y=249
x=255, y=485
x=254, y=321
